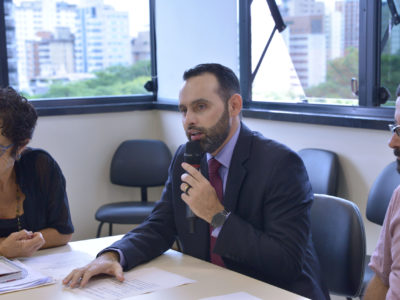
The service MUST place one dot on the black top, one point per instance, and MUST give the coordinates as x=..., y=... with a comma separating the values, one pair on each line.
x=46, y=202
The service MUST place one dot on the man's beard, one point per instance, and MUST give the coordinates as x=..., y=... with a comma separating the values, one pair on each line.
x=396, y=152
x=215, y=136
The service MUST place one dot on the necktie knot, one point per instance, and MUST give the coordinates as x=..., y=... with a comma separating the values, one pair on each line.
x=213, y=166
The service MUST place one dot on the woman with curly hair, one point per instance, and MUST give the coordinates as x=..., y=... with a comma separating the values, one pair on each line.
x=34, y=211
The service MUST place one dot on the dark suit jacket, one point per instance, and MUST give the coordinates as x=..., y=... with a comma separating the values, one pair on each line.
x=267, y=235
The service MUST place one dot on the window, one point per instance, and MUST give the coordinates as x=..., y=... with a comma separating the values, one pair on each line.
x=53, y=58
x=318, y=52
x=390, y=48
x=326, y=66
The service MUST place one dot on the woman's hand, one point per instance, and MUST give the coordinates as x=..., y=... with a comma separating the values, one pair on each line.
x=21, y=244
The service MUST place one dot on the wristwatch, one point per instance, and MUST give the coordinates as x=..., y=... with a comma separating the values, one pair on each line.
x=219, y=219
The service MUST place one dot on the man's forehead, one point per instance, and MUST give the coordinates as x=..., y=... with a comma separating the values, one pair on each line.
x=199, y=87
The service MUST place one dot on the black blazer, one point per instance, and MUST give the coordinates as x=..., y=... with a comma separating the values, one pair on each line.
x=267, y=235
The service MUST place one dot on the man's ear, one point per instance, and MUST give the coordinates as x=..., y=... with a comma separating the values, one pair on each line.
x=235, y=104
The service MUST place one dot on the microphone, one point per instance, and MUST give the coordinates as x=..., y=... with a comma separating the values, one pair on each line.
x=192, y=156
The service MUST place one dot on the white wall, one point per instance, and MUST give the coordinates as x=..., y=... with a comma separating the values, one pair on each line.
x=191, y=32
x=83, y=146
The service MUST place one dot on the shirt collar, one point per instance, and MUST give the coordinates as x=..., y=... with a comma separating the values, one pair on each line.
x=225, y=155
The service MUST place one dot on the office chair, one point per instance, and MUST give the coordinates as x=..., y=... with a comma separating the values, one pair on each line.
x=378, y=201
x=339, y=239
x=322, y=167
x=136, y=163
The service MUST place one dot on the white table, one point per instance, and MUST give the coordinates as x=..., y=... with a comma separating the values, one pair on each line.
x=211, y=280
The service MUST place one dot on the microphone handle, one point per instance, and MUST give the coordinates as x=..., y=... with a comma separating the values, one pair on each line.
x=189, y=213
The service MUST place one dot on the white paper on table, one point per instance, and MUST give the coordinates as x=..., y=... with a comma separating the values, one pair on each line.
x=233, y=296
x=32, y=279
x=136, y=282
x=58, y=265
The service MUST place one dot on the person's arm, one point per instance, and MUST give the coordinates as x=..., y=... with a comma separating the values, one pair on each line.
x=53, y=238
x=275, y=227
x=376, y=290
x=385, y=260
x=141, y=244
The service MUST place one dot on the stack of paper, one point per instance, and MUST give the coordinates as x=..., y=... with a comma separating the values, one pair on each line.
x=30, y=278
x=10, y=271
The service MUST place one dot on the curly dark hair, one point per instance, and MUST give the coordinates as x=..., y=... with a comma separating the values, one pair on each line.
x=18, y=118
x=228, y=82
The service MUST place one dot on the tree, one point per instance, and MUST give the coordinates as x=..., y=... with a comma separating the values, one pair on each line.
x=390, y=72
x=114, y=80
x=338, y=77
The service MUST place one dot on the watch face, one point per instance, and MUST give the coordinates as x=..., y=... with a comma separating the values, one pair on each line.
x=219, y=219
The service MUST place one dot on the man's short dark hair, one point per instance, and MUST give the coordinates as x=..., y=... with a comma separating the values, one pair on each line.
x=227, y=80
x=18, y=118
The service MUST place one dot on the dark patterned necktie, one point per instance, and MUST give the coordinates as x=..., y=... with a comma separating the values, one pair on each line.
x=216, y=182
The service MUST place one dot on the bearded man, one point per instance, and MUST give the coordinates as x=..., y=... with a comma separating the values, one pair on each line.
x=251, y=196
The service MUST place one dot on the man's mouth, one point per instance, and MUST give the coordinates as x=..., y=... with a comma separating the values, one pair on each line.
x=195, y=135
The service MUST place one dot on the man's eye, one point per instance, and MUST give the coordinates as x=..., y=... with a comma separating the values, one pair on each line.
x=201, y=106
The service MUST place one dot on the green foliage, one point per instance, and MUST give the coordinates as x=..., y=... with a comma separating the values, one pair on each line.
x=390, y=73
x=338, y=78
x=112, y=81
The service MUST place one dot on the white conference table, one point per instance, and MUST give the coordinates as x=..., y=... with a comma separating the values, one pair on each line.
x=211, y=280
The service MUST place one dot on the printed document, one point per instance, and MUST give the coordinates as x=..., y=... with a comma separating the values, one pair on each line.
x=136, y=282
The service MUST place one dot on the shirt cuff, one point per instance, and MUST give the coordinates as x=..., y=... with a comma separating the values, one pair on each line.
x=122, y=260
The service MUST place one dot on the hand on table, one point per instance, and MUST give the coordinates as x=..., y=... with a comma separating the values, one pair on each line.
x=106, y=263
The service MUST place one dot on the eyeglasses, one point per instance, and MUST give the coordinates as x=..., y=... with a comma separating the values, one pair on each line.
x=3, y=149
x=394, y=129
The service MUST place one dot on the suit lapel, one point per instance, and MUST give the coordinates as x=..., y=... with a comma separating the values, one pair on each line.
x=237, y=169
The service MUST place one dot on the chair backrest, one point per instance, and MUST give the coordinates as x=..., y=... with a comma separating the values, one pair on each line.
x=381, y=193
x=140, y=163
x=322, y=167
x=339, y=239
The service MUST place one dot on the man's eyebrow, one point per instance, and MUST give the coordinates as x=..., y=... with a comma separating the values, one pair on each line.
x=198, y=101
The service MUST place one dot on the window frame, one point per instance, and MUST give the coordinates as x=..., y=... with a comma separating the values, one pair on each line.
x=368, y=114
x=85, y=105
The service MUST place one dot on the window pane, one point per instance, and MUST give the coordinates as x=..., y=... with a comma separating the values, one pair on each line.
x=314, y=59
x=78, y=48
x=390, y=48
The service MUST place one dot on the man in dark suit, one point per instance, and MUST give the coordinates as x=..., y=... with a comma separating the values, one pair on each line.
x=253, y=212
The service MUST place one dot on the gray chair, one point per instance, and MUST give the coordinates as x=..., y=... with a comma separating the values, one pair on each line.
x=136, y=163
x=322, y=167
x=377, y=204
x=339, y=239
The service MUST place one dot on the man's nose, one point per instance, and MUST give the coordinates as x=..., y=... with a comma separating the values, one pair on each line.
x=190, y=118
x=394, y=141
